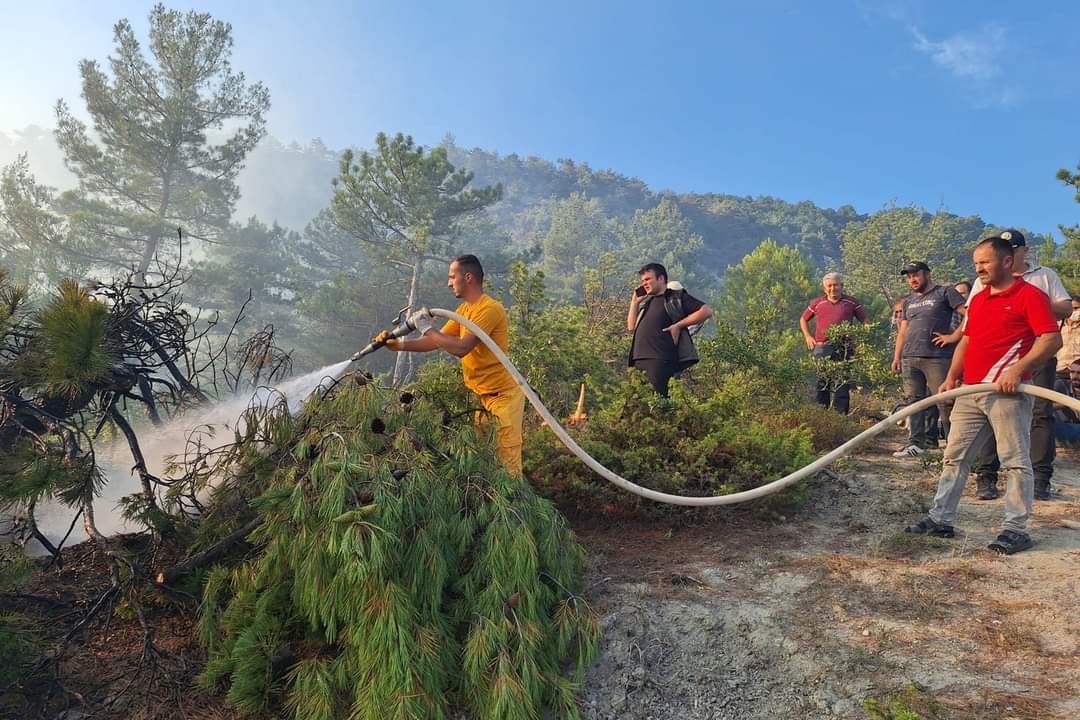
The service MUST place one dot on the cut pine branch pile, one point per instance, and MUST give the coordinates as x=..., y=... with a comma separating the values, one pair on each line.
x=397, y=572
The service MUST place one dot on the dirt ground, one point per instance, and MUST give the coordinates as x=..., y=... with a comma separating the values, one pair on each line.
x=744, y=614
x=832, y=605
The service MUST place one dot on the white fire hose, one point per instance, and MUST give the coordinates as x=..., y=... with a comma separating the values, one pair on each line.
x=752, y=494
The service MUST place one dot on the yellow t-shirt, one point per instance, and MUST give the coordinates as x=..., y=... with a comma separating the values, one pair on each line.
x=484, y=374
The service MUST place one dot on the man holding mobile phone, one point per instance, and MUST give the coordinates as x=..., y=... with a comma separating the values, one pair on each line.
x=659, y=317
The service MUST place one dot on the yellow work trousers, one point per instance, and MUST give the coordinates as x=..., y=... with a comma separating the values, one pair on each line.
x=508, y=409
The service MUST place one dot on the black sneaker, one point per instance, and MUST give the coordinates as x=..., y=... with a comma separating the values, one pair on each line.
x=927, y=526
x=1010, y=542
x=986, y=487
x=1042, y=489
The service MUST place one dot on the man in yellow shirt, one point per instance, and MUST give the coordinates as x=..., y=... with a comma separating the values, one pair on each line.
x=484, y=375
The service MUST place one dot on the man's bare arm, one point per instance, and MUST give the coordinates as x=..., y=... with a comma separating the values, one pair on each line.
x=901, y=332
x=956, y=367
x=631, y=314
x=700, y=315
x=804, y=325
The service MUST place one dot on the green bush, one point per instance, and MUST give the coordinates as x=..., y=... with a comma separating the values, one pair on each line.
x=911, y=703
x=398, y=572
x=717, y=443
x=19, y=643
x=560, y=351
x=828, y=429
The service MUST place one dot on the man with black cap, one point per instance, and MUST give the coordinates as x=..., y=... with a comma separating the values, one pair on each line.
x=1043, y=447
x=923, y=365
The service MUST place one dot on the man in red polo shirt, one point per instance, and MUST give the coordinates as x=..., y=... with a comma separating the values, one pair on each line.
x=831, y=308
x=1011, y=331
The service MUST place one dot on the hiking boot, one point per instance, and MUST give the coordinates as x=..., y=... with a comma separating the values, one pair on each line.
x=909, y=451
x=1010, y=542
x=1042, y=488
x=927, y=526
x=986, y=487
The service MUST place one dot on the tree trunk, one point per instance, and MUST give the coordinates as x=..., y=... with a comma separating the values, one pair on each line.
x=402, y=364
x=153, y=240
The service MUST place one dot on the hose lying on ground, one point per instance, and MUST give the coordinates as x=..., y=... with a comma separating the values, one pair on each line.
x=754, y=493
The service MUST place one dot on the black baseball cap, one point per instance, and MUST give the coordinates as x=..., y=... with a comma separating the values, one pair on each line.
x=914, y=267
x=1014, y=238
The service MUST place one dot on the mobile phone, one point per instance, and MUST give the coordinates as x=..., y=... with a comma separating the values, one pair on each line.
x=640, y=291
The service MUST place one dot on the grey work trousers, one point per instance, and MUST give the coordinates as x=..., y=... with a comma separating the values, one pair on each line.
x=922, y=378
x=1043, y=441
x=975, y=418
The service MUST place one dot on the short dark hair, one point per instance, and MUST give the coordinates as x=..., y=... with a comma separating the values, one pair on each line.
x=1001, y=246
x=470, y=264
x=655, y=268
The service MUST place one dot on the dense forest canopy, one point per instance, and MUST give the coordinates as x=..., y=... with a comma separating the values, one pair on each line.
x=326, y=289
x=289, y=184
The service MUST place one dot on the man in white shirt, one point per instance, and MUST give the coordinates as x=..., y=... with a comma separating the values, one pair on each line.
x=1043, y=447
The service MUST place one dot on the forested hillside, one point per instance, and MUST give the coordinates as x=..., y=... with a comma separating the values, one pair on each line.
x=560, y=217
x=290, y=183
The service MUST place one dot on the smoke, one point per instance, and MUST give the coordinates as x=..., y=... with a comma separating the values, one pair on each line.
x=158, y=444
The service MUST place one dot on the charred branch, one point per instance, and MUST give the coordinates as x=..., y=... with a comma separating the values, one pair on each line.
x=147, y=479
x=211, y=554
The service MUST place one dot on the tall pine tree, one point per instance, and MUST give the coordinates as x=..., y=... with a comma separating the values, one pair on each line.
x=170, y=134
x=405, y=203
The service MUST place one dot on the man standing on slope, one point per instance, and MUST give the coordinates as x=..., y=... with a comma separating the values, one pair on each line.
x=1010, y=332
x=831, y=308
x=660, y=317
x=922, y=364
x=483, y=373
x=1043, y=442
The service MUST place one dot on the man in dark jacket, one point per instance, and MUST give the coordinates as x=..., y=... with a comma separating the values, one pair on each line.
x=659, y=316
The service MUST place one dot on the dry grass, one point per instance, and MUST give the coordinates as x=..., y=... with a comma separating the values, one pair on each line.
x=907, y=545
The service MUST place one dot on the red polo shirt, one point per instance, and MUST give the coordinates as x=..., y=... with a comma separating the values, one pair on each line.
x=1002, y=327
x=828, y=313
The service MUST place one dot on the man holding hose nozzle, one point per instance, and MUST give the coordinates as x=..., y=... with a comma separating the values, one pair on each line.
x=1011, y=331
x=483, y=373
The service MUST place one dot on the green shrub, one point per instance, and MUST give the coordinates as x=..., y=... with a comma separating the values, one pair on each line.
x=828, y=429
x=19, y=644
x=719, y=443
x=561, y=350
x=911, y=703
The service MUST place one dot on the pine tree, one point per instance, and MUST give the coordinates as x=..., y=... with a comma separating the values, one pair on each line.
x=154, y=164
x=399, y=572
x=405, y=203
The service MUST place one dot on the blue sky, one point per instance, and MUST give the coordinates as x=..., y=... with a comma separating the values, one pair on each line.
x=970, y=106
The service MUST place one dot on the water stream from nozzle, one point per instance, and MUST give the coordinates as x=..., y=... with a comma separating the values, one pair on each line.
x=158, y=444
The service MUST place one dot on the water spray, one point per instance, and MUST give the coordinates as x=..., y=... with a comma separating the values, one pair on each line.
x=404, y=323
